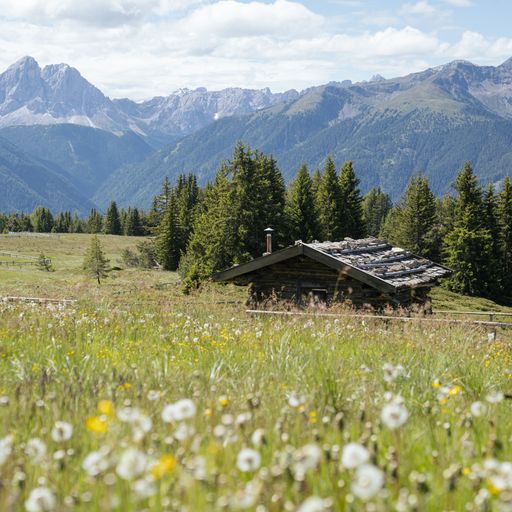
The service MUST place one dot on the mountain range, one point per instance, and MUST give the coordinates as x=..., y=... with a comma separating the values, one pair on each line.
x=96, y=149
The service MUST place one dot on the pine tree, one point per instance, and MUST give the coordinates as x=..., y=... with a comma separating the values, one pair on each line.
x=491, y=224
x=351, y=221
x=42, y=220
x=301, y=208
x=376, y=205
x=505, y=225
x=468, y=246
x=112, y=221
x=95, y=262
x=159, y=205
x=94, y=222
x=417, y=217
x=329, y=203
x=168, y=240
x=133, y=225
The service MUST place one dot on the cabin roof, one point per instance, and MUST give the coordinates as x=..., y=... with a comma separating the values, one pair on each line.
x=370, y=260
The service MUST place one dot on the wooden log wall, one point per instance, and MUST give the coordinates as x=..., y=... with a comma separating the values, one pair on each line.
x=289, y=282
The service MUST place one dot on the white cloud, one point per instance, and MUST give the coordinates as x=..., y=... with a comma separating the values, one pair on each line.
x=142, y=52
x=459, y=3
x=422, y=8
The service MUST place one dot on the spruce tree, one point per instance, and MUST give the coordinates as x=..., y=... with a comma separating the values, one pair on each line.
x=505, y=225
x=468, y=246
x=351, y=221
x=376, y=205
x=329, y=203
x=168, y=240
x=133, y=226
x=95, y=262
x=301, y=208
x=42, y=220
x=94, y=222
x=417, y=217
x=112, y=221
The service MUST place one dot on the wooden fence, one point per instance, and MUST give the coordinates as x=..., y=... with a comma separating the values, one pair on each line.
x=428, y=319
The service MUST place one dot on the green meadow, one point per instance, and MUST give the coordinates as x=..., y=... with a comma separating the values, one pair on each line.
x=135, y=397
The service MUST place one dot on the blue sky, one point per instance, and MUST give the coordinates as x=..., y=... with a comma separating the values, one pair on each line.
x=143, y=48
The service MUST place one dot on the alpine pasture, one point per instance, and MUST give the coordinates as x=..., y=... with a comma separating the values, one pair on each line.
x=136, y=397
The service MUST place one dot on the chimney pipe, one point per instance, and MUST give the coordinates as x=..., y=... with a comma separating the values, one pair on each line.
x=269, y=232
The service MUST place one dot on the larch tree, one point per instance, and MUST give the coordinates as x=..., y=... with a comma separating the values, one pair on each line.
x=95, y=262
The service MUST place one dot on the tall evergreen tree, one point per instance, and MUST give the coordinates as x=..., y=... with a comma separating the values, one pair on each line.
x=351, y=221
x=376, y=205
x=159, y=205
x=301, y=208
x=112, y=221
x=168, y=240
x=468, y=246
x=505, y=225
x=94, y=222
x=133, y=226
x=42, y=220
x=330, y=204
x=63, y=223
x=417, y=217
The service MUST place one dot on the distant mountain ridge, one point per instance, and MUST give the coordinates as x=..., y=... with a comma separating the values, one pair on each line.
x=58, y=94
x=431, y=121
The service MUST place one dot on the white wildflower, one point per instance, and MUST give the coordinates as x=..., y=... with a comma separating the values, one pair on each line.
x=184, y=431
x=495, y=397
x=5, y=448
x=62, y=431
x=247, y=497
x=478, y=409
x=141, y=425
x=181, y=410
x=258, y=437
x=367, y=482
x=128, y=414
x=354, y=454
x=40, y=499
x=392, y=372
x=394, y=415
x=306, y=458
x=144, y=488
x=153, y=395
x=35, y=450
x=296, y=400
x=314, y=504
x=248, y=460
x=95, y=463
x=131, y=464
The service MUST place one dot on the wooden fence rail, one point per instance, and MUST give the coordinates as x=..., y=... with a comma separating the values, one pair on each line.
x=491, y=324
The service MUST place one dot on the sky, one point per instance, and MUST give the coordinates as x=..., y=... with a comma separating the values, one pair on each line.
x=144, y=48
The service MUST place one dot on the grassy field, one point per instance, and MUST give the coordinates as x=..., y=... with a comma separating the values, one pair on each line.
x=137, y=397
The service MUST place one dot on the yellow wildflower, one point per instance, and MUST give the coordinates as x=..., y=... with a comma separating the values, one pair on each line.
x=436, y=384
x=106, y=407
x=223, y=401
x=164, y=465
x=455, y=390
x=312, y=417
x=96, y=424
x=125, y=385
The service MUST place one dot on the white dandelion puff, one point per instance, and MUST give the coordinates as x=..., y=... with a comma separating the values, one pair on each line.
x=248, y=460
x=354, y=454
x=132, y=463
x=35, y=450
x=40, y=499
x=394, y=415
x=367, y=482
x=62, y=431
x=181, y=410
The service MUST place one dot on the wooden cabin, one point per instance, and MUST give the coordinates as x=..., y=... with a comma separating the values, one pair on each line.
x=363, y=273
